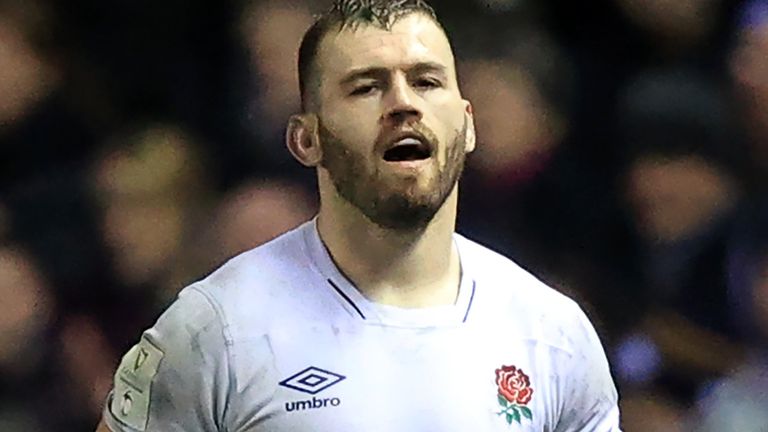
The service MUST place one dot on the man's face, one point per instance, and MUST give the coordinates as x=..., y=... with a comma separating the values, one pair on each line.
x=392, y=124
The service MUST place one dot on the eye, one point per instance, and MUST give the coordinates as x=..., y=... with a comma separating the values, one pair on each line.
x=363, y=90
x=427, y=83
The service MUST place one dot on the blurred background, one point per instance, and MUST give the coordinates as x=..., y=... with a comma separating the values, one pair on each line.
x=622, y=158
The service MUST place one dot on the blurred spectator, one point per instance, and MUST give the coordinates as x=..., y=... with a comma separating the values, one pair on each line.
x=39, y=390
x=26, y=314
x=41, y=134
x=271, y=31
x=549, y=211
x=56, y=225
x=26, y=75
x=610, y=41
x=90, y=377
x=152, y=187
x=748, y=256
x=257, y=212
x=56, y=221
x=675, y=25
x=630, y=35
x=740, y=401
x=749, y=66
x=520, y=127
x=684, y=177
x=652, y=413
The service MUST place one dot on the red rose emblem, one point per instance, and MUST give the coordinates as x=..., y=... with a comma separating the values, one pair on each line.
x=514, y=385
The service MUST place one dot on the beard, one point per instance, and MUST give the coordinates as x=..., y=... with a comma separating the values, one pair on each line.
x=389, y=202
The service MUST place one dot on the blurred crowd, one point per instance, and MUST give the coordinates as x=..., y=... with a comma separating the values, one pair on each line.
x=622, y=158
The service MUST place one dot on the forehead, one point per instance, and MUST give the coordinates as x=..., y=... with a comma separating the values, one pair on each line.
x=412, y=39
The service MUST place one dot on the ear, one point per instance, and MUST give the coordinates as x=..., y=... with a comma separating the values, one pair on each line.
x=469, y=117
x=302, y=140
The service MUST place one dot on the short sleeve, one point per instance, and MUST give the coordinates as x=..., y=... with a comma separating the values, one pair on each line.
x=176, y=377
x=590, y=396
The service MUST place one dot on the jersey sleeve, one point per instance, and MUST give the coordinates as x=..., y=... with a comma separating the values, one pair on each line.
x=176, y=377
x=590, y=396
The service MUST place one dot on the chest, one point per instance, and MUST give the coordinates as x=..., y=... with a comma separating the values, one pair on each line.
x=321, y=377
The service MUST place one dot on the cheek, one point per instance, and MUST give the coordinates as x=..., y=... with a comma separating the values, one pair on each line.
x=452, y=112
x=357, y=129
x=448, y=123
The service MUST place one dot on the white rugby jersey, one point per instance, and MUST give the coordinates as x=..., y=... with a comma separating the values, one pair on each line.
x=279, y=340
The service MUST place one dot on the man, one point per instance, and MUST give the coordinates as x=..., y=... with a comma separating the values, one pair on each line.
x=374, y=316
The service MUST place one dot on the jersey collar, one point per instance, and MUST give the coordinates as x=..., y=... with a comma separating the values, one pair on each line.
x=374, y=313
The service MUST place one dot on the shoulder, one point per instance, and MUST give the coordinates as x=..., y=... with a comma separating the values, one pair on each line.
x=507, y=280
x=179, y=362
x=261, y=283
x=520, y=299
x=275, y=260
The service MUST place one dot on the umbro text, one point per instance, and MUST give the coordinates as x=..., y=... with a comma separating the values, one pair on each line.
x=313, y=403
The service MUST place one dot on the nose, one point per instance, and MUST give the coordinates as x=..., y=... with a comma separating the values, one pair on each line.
x=401, y=103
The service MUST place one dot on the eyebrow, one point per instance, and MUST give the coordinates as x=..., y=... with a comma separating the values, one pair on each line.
x=377, y=72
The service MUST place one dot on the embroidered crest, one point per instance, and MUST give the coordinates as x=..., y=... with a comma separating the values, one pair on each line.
x=514, y=393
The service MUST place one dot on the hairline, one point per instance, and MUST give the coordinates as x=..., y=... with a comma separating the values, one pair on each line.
x=309, y=100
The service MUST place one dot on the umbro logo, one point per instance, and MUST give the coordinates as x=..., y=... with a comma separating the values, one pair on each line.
x=312, y=380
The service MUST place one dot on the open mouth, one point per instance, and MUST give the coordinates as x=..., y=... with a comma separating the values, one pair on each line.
x=408, y=149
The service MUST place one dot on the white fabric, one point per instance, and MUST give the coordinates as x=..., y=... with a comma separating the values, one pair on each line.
x=267, y=315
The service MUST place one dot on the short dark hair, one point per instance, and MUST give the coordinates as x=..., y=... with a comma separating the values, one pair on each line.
x=351, y=13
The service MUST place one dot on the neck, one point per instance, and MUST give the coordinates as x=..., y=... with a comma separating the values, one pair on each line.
x=406, y=269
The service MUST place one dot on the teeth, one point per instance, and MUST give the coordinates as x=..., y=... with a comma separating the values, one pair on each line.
x=407, y=141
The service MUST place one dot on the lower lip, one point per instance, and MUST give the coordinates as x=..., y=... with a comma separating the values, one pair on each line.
x=410, y=164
